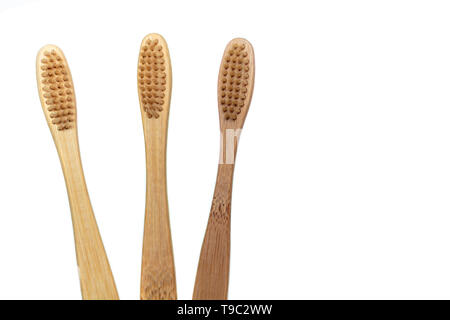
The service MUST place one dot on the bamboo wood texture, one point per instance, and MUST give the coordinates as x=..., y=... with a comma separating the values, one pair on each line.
x=235, y=89
x=154, y=87
x=58, y=98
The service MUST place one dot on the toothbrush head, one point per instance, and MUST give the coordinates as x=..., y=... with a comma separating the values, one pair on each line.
x=56, y=88
x=235, y=86
x=154, y=76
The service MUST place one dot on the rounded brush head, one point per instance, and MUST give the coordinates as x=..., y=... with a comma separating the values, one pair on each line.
x=235, y=86
x=154, y=76
x=56, y=88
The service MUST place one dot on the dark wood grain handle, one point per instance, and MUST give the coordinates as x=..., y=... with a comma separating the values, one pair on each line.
x=213, y=268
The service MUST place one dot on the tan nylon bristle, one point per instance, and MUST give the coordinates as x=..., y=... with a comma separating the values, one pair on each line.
x=152, y=78
x=234, y=81
x=57, y=90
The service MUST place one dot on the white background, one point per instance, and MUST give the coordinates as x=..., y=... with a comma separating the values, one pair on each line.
x=342, y=183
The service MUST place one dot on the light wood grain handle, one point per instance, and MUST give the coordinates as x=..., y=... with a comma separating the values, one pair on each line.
x=158, y=268
x=96, y=279
x=211, y=282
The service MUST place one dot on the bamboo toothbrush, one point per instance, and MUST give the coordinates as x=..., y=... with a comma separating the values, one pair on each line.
x=58, y=102
x=235, y=89
x=154, y=88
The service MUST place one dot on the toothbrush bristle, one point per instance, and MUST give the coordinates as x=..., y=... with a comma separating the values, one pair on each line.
x=152, y=78
x=57, y=90
x=234, y=80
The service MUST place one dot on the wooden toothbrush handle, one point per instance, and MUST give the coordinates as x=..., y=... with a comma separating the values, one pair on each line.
x=96, y=279
x=211, y=282
x=158, y=267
